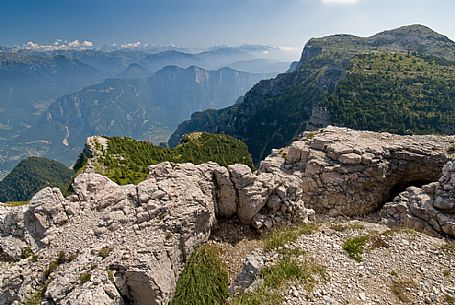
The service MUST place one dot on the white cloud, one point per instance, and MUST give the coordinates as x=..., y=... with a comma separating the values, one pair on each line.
x=289, y=49
x=74, y=44
x=131, y=45
x=87, y=44
x=59, y=44
x=340, y=1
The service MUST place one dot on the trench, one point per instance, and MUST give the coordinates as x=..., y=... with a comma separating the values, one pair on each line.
x=402, y=186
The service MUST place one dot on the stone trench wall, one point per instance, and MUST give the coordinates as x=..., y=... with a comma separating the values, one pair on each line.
x=348, y=172
x=430, y=209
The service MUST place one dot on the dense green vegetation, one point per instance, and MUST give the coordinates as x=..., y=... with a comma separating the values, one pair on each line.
x=127, y=160
x=30, y=176
x=396, y=92
x=204, y=280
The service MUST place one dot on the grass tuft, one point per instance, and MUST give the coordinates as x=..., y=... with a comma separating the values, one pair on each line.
x=16, y=203
x=450, y=299
x=285, y=235
x=449, y=248
x=38, y=296
x=277, y=276
x=204, y=279
x=104, y=252
x=451, y=148
x=84, y=277
x=261, y=296
x=355, y=246
x=26, y=252
x=288, y=270
x=339, y=227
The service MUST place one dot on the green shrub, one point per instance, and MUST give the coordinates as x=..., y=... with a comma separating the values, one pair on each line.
x=127, y=160
x=204, y=279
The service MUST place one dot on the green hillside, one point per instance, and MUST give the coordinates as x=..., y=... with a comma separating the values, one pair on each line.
x=401, y=81
x=127, y=160
x=396, y=92
x=30, y=176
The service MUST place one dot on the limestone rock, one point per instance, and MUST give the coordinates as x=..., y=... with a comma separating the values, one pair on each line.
x=111, y=244
x=430, y=208
x=349, y=172
x=129, y=243
x=227, y=195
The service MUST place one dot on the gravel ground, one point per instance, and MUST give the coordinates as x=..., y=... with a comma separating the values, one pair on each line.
x=398, y=266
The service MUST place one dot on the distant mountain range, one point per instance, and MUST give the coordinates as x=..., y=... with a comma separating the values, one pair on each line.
x=33, y=80
x=144, y=109
x=402, y=81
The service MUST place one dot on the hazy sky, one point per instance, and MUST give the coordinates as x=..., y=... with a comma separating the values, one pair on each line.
x=200, y=23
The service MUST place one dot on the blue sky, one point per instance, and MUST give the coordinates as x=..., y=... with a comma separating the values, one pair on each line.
x=201, y=23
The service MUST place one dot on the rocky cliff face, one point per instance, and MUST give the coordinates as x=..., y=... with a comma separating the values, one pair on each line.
x=348, y=172
x=110, y=244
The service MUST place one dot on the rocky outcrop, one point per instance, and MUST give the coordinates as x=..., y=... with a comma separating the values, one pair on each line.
x=430, y=209
x=348, y=172
x=110, y=244
x=130, y=241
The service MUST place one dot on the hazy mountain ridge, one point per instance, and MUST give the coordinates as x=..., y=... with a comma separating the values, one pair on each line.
x=275, y=111
x=143, y=109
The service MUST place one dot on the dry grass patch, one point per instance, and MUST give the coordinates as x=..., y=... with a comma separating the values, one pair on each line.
x=401, y=289
x=341, y=227
x=450, y=299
